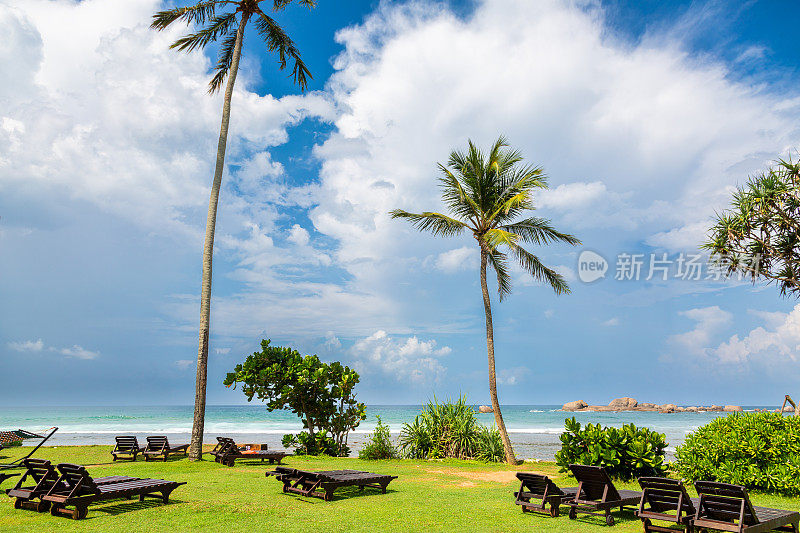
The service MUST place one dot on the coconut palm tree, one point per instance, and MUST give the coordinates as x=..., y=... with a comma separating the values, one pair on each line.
x=487, y=194
x=226, y=20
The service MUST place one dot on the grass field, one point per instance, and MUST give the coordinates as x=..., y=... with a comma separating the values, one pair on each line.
x=427, y=496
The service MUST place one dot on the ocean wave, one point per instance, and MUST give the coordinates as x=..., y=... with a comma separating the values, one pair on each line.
x=536, y=411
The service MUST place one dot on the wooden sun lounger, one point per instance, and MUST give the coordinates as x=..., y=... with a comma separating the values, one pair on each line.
x=227, y=452
x=597, y=495
x=42, y=477
x=323, y=484
x=724, y=507
x=665, y=500
x=224, y=444
x=76, y=488
x=127, y=445
x=158, y=446
x=541, y=488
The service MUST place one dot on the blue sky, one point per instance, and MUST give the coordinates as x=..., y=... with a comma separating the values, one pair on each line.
x=643, y=114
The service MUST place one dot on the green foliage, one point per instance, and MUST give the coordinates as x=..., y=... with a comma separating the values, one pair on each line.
x=760, y=451
x=320, y=444
x=321, y=394
x=450, y=429
x=759, y=236
x=625, y=452
x=488, y=194
x=215, y=26
x=380, y=444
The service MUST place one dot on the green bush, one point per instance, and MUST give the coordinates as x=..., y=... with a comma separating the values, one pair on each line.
x=379, y=445
x=321, y=444
x=760, y=451
x=625, y=452
x=450, y=429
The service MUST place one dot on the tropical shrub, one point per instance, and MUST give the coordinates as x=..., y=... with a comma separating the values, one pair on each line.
x=760, y=451
x=450, y=429
x=379, y=445
x=321, y=394
x=625, y=452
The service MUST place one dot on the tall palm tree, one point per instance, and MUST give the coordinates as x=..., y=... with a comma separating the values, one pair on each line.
x=486, y=194
x=226, y=20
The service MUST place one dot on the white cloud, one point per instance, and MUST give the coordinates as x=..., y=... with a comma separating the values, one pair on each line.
x=39, y=346
x=641, y=137
x=513, y=376
x=332, y=342
x=775, y=342
x=708, y=323
x=684, y=238
x=408, y=359
x=27, y=346
x=184, y=364
x=78, y=352
x=549, y=313
x=222, y=351
x=457, y=259
x=298, y=235
x=611, y=322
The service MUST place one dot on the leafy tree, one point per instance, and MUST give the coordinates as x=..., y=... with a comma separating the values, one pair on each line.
x=758, y=237
x=321, y=394
x=226, y=20
x=486, y=194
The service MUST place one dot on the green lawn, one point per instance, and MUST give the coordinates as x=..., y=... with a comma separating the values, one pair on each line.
x=427, y=496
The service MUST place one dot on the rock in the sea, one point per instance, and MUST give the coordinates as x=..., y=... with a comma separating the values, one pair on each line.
x=667, y=408
x=787, y=409
x=716, y=408
x=574, y=406
x=692, y=409
x=485, y=409
x=623, y=404
x=732, y=409
x=680, y=409
x=646, y=405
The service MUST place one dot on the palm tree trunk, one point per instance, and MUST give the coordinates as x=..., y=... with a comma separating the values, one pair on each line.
x=196, y=447
x=498, y=416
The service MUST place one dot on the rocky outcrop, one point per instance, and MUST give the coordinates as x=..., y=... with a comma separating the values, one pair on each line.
x=575, y=406
x=630, y=404
x=485, y=409
x=623, y=404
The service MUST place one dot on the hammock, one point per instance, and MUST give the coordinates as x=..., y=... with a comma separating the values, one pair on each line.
x=15, y=436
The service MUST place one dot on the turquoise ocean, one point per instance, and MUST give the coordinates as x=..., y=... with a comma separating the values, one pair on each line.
x=534, y=429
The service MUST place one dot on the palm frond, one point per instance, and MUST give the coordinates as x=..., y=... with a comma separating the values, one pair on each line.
x=498, y=237
x=196, y=14
x=533, y=266
x=499, y=263
x=220, y=25
x=436, y=223
x=224, y=58
x=539, y=231
x=277, y=40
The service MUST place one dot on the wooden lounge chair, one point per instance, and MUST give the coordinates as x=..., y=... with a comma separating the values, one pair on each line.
x=725, y=507
x=224, y=445
x=229, y=452
x=541, y=488
x=127, y=445
x=158, y=446
x=597, y=495
x=76, y=488
x=41, y=477
x=665, y=500
x=323, y=484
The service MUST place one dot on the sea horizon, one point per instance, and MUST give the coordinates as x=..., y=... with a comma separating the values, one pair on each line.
x=534, y=428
